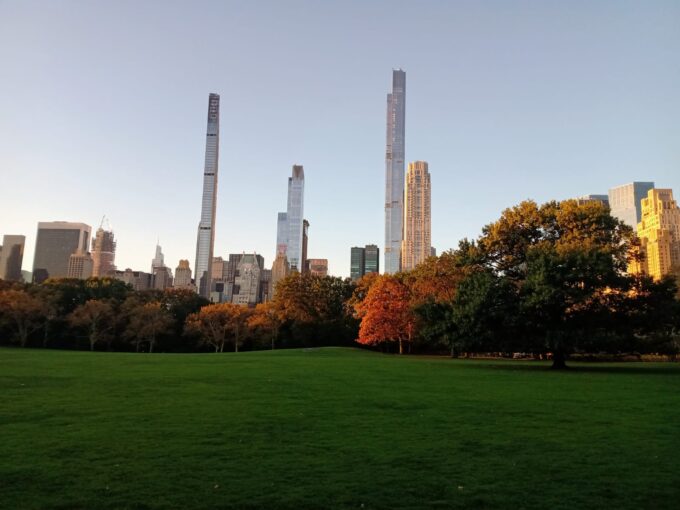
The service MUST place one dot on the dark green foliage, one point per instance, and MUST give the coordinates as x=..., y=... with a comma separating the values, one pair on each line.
x=333, y=428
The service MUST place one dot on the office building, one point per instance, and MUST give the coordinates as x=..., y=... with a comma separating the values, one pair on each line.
x=55, y=242
x=625, y=202
x=371, y=259
x=364, y=261
x=417, y=243
x=205, y=240
x=11, y=257
x=659, y=233
x=158, y=260
x=357, y=263
x=103, y=253
x=394, y=171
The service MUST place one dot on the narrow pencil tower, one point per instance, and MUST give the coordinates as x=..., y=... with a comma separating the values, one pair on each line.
x=205, y=241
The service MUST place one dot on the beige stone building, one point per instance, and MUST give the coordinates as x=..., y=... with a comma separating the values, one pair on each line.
x=659, y=232
x=416, y=245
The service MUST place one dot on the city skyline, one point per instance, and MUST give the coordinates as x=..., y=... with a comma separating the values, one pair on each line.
x=516, y=111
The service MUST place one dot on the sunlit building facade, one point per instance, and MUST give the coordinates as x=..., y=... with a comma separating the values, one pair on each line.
x=183, y=275
x=394, y=171
x=659, y=233
x=205, y=241
x=417, y=243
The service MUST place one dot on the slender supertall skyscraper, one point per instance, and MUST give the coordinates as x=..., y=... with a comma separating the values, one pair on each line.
x=206, y=228
x=394, y=171
x=296, y=197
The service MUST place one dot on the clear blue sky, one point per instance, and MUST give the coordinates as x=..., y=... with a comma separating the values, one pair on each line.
x=103, y=111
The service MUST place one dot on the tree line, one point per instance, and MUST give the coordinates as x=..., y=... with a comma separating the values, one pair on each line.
x=547, y=280
x=107, y=314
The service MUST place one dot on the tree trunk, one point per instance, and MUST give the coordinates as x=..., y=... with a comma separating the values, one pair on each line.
x=47, y=328
x=151, y=345
x=559, y=361
x=401, y=347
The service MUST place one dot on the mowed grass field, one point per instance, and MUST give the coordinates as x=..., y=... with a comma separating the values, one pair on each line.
x=333, y=428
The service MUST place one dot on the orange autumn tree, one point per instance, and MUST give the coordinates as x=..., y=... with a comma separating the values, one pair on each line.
x=386, y=314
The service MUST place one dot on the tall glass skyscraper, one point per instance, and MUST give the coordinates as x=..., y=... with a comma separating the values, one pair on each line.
x=394, y=171
x=625, y=202
x=205, y=241
x=296, y=195
x=290, y=225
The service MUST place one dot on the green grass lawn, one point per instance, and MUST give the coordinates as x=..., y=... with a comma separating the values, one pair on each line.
x=333, y=428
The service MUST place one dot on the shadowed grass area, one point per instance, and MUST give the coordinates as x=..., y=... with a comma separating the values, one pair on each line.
x=333, y=428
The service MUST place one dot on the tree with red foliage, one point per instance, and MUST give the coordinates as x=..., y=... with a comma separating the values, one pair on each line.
x=386, y=313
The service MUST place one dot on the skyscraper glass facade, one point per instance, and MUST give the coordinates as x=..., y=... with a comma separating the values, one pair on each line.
x=55, y=243
x=371, y=259
x=625, y=202
x=294, y=217
x=205, y=241
x=356, y=265
x=394, y=171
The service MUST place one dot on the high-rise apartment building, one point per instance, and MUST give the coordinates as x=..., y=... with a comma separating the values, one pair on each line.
x=80, y=265
x=305, y=239
x=394, y=171
x=625, y=202
x=659, y=232
x=280, y=269
x=290, y=225
x=138, y=280
x=183, y=275
x=415, y=247
x=11, y=257
x=55, y=242
x=103, y=253
x=205, y=241
x=248, y=280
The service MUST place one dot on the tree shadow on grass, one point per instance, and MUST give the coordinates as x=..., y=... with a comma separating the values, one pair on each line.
x=580, y=367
